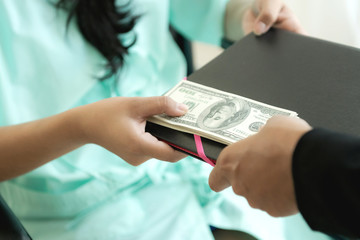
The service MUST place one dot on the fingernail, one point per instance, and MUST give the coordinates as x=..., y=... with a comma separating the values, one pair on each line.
x=182, y=107
x=260, y=28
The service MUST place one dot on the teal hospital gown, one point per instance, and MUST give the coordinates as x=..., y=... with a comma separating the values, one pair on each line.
x=90, y=193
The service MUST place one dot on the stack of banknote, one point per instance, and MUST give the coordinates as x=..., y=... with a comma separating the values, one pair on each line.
x=220, y=116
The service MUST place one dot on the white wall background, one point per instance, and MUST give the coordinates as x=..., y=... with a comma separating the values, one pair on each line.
x=334, y=20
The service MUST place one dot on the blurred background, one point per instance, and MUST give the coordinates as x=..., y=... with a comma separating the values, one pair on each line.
x=332, y=20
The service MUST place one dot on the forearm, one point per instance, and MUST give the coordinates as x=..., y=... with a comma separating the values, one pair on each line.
x=116, y=124
x=326, y=170
x=27, y=146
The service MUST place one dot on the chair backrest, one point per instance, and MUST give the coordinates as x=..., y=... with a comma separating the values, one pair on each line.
x=186, y=48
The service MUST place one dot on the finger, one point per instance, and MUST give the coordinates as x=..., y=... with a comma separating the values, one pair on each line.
x=268, y=12
x=151, y=146
x=248, y=21
x=291, y=26
x=288, y=21
x=221, y=176
x=253, y=204
x=218, y=180
x=149, y=106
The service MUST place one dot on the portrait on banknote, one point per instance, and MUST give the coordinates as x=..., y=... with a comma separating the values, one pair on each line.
x=223, y=114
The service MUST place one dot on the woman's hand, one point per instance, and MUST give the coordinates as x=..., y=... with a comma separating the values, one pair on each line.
x=244, y=16
x=118, y=124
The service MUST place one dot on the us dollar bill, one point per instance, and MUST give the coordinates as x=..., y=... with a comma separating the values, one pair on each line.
x=217, y=115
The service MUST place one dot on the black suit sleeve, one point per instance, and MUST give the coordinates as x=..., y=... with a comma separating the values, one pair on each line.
x=326, y=171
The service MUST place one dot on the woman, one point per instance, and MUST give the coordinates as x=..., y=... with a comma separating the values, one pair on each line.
x=57, y=56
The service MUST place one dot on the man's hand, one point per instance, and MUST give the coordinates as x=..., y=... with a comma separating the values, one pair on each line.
x=245, y=16
x=259, y=167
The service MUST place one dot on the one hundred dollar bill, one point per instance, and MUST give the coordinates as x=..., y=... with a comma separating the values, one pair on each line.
x=217, y=115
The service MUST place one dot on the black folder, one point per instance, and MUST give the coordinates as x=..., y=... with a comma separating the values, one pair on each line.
x=319, y=80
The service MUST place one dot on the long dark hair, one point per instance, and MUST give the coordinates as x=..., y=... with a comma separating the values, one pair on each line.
x=101, y=22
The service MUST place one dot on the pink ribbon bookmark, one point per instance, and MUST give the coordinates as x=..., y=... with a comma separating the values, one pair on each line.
x=200, y=150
